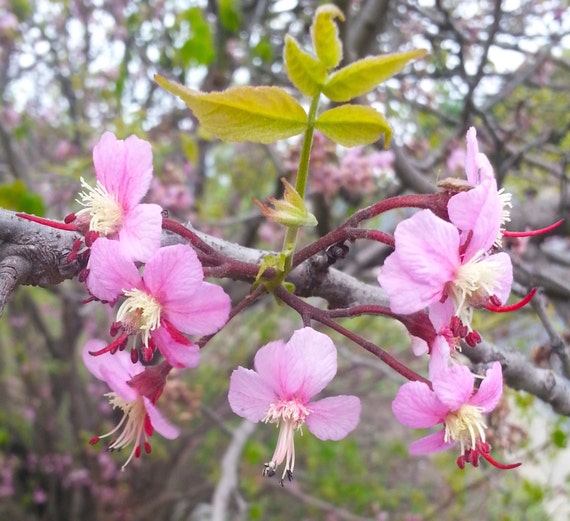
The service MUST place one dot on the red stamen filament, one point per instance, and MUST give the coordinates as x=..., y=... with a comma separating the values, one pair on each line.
x=121, y=340
x=513, y=307
x=48, y=222
x=532, y=233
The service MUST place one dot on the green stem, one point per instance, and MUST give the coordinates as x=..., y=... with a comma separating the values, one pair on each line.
x=301, y=181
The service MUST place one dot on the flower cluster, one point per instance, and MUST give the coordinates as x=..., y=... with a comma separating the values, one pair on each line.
x=160, y=291
x=451, y=268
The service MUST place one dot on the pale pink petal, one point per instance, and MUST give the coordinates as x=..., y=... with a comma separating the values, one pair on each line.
x=480, y=211
x=333, y=418
x=249, y=395
x=115, y=370
x=159, y=422
x=453, y=386
x=124, y=168
x=503, y=267
x=141, y=232
x=490, y=390
x=471, y=168
x=173, y=274
x=419, y=345
x=440, y=357
x=176, y=354
x=424, y=260
x=430, y=444
x=416, y=405
x=440, y=314
x=310, y=364
x=110, y=270
x=205, y=312
x=270, y=362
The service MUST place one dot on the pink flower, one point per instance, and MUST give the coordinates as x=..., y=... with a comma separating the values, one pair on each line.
x=430, y=265
x=454, y=403
x=280, y=389
x=483, y=210
x=169, y=299
x=140, y=416
x=112, y=208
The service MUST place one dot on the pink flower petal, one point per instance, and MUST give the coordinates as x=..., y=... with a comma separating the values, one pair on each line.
x=419, y=345
x=110, y=270
x=310, y=364
x=440, y=357
x=333, y=418
x=115, y=370
x=173, y=274
x=453, y=386
x=124, y=168
x=430, y=444
x=503, y=267
x=479, y=210
x=416, y=405
x=141, y=232
x=205, y=312
x=159, y=422
x=176, y=354
x=471, y=168
x=490, y=390
x=249, y=395
x=424, y=260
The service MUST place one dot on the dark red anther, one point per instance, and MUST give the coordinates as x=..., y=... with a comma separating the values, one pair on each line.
x=115, y=328
x=138, y=451
x=147, y=447
x=494, y=300
x=68, y=219
x=83, y=274
x=134, y=356
x=94, y=440
x=461, y=462
x=472, y=339
x=90, y=238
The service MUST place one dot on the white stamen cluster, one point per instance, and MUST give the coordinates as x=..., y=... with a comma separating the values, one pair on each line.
x=140, y=311
x=474, y=283
x=104, y=211
x=465, y=426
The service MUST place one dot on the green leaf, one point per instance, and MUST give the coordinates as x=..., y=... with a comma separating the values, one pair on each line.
x=258, y=114
x=559, y=438
x=324, y=33
x=199, y=47
x=230, y=14
x=363, y=75
x=304, y=71
x=15, y=196
x=353, y=125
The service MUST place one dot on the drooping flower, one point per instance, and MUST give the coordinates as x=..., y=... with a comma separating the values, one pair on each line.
x=430, y=264
x=454, y=403
x=169, y=299
x=112, y=208
x=135, y=390
x=280, y=391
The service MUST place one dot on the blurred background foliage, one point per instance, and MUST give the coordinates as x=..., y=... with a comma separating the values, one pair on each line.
x=70, y=70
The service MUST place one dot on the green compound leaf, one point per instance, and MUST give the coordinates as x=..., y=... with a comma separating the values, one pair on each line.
x=364, y=75
x=257, y=114
x=353, y=125
x=305, y=72
x=324, y=33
